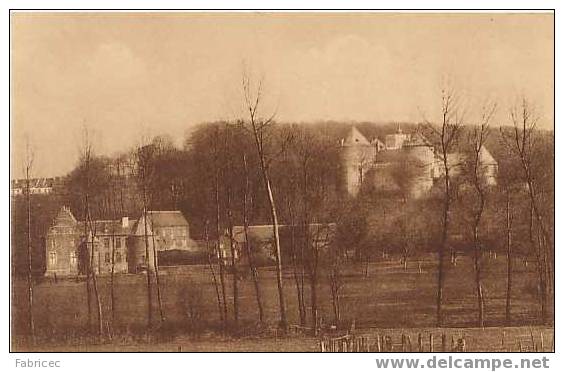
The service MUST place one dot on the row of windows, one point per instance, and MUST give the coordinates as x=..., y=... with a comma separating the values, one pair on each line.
x=118, y=241
x=117, y=258
x=172, y=231
x=73, y=258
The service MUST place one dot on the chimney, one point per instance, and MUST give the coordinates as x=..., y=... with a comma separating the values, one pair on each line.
x=125, y=222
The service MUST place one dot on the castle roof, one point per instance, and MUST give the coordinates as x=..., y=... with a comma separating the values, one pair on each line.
x=417, y=139
x=355, y=138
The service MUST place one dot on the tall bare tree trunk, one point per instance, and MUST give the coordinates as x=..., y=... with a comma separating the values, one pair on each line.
x=442, y=246
x=214, y=277
x=258, y=128
x=313, y=288
x=249, y=248
x=157, y=277
x=220, y=250
x=100, y=329
x=535, y=244
x=31, y=323
x=451, y=124
x=112, y=278
x=88, y=269
x=86, y=159
x=524, y=124
x=279, y=282
x=478, y=244
x=478, y=277
x=508, y=223
x=298, y=282
x=234, y=272
x=147, y=265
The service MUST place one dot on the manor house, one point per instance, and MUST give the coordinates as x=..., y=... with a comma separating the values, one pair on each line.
x=118, y=245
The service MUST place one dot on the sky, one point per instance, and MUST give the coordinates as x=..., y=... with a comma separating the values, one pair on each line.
x=127, y=76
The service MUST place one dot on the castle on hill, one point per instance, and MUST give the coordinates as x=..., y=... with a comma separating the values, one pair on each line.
x=401, y=162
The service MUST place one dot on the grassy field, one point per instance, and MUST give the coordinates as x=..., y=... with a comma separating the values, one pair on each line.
x=491, y=339
x=390, y=298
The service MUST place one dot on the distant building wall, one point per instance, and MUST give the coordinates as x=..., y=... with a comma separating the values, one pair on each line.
x=141, y=253
x=356, y=162
x=61, y=245
x=62, y=253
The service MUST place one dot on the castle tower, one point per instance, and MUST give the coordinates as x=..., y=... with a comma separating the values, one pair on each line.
x=420, y=150
x=357, y=156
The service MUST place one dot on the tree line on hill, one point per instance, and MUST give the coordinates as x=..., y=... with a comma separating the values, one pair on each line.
x=255, y=170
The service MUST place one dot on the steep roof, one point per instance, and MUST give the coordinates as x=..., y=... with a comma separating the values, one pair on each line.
x=109, y=227
x=417, y=139
x=64, y=218
x=158, y=219
x=167, y=218
x=263, y=233
x=486, y=157
x=355, y=138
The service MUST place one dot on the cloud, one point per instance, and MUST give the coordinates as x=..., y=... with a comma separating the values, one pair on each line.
x=114, y=61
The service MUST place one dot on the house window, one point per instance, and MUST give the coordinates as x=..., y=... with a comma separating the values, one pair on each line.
x=118, y=243
x=118, y=256
x=106, y=242
x=73, y=258
x=107, y=257
x=52, y=258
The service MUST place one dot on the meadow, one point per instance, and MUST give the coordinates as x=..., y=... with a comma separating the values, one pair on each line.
x=389, y=298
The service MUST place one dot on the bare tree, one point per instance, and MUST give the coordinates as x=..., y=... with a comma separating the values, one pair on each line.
x=157, y=276
x=335, y=280
x=114, y=180
x=508, y=239
x=143, y=158
x=298, y=269
x=478, y=178
x=521, y=142
x=259, y=128
x=28, y=167
x=218, y=168
x=89, y=226
x=248, y=244
x=229, y=211
x=212, y=270
x=451, y=123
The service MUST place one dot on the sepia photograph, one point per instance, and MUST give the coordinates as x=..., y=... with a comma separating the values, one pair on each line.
x=275, y=181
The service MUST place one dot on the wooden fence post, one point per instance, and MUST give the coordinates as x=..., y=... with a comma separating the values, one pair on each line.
x=402, y=343
x=378, y=345
x=444, y=342
x=431, y=342
x=420, y=342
